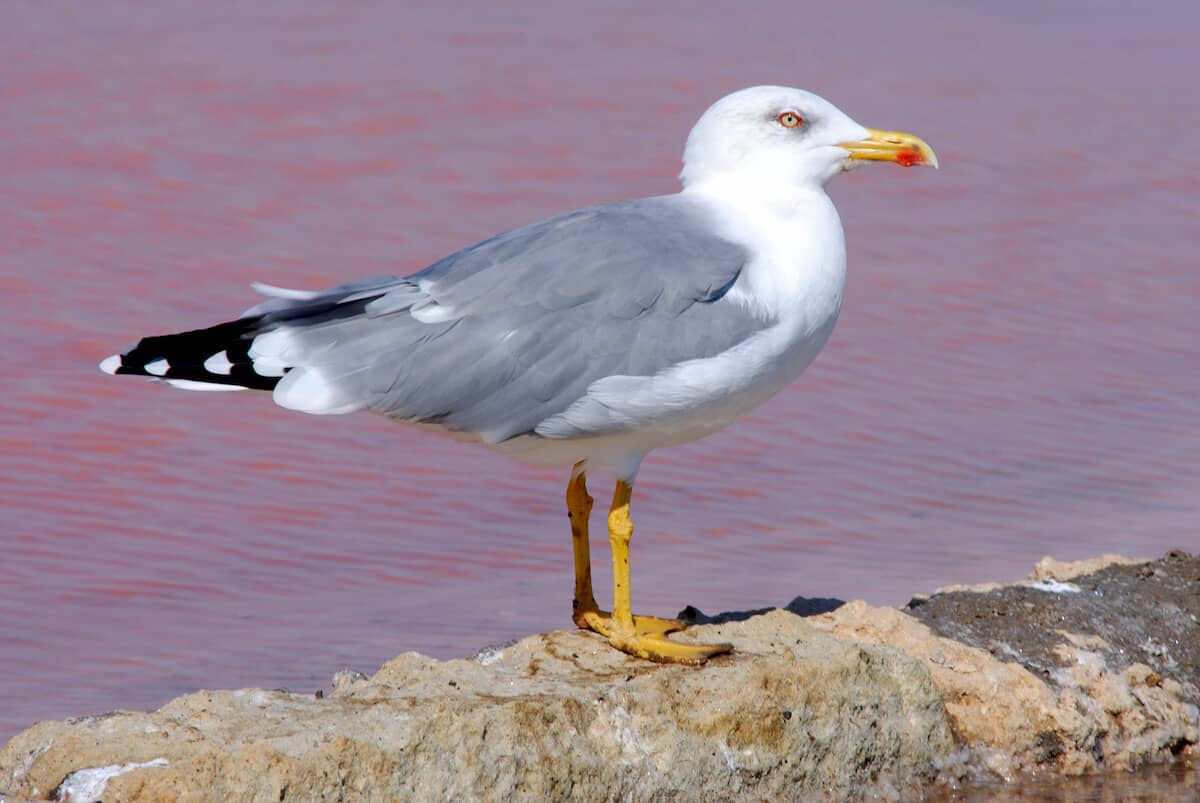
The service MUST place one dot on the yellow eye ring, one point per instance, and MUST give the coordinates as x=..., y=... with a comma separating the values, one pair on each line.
x=790, y=120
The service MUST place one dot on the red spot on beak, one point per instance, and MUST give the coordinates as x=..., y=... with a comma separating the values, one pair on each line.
x=909, y=158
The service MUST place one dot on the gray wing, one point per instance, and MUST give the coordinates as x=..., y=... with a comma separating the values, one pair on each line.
x=501, y=336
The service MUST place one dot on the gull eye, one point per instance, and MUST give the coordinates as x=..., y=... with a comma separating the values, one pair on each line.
x=790, y=120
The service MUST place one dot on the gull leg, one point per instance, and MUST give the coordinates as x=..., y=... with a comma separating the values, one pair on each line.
x=579, y=507
x=585, y=612
x=641, y=636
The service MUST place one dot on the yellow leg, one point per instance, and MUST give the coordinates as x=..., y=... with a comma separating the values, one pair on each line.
x=642, y=636
x=579, y=508
x=620, y=532
x=586, y=612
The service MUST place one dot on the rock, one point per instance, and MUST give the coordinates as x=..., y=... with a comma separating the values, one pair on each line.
x=1131, y=612
x=1116, y=651
x=554, y=716
x=1050, y=569
x=1013, y=721
x=1047, y=570
x=820, y=698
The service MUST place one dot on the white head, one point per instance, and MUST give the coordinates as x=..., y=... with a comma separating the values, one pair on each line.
x=788, y=135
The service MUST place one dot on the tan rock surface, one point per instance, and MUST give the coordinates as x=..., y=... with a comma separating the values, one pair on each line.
x=852, y=702
x=1049, y=568
x=561, y=716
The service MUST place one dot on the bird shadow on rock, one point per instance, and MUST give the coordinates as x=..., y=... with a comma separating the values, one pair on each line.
x=801, y=606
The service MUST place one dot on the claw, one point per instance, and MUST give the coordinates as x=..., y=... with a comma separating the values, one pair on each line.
x=648, y=638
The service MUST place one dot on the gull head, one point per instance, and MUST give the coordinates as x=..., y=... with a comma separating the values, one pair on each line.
x=781, y=134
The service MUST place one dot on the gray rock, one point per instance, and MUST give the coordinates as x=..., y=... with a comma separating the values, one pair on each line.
x=1144, y=612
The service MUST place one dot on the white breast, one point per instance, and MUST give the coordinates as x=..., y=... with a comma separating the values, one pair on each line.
x=798, y=272
x=796, y=277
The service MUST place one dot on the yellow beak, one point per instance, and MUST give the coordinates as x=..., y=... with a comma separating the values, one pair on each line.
x=892, y=146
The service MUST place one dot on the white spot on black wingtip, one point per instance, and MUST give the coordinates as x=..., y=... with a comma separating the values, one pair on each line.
x=109, y=365
x=157, y=367
x=219, y=364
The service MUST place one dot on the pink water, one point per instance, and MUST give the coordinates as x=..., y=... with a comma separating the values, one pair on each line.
x=1015, y=373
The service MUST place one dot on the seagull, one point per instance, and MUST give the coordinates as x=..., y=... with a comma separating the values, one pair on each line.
x=590, y=338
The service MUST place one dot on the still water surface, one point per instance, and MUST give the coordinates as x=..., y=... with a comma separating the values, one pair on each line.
x=1014, y=374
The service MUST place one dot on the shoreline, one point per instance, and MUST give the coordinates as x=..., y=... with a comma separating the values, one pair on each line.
x=1083, y=668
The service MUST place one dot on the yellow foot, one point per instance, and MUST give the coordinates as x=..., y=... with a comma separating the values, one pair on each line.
x=648, y=638
x=601, y=622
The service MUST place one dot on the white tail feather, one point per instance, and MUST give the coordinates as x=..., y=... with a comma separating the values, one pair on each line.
x=191, y=384
x=306, y=390
x=271, y=291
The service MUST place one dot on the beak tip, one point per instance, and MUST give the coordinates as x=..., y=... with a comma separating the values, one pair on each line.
x=922, y=157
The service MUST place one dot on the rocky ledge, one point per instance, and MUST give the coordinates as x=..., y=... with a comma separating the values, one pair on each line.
x=1082, y=668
